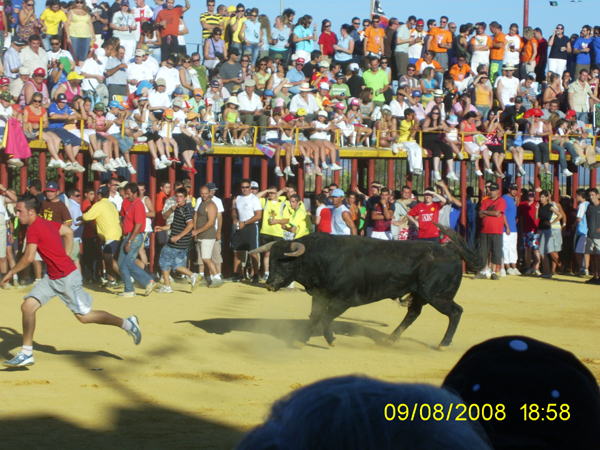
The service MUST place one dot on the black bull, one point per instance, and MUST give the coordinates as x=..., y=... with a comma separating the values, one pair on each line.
x=341, y=272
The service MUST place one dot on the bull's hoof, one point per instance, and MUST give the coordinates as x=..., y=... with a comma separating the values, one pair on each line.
x=298, y=344
x=388, y=341
x=332, y=342
x=442, y=347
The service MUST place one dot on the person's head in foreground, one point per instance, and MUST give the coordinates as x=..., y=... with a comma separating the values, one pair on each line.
x=551, y=400
x=349, y=413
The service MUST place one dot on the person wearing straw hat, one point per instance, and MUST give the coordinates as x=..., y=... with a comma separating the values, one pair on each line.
x=508, y=87
x=304, y=100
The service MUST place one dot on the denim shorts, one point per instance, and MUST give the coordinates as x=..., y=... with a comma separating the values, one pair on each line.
x=172, y=258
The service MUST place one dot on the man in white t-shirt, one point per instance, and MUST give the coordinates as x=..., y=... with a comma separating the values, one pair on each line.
x=93, y=73
x=216, y=257
x=56, y=52
x=138, y=71
x=507, y=87
x=512, y=46
x=149, y=60
x=246, y=213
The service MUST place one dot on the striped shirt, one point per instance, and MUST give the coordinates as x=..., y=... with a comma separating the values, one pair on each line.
x=181, y=217
x=210, y=19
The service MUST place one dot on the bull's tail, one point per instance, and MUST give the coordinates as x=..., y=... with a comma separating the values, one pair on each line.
x=473, y=259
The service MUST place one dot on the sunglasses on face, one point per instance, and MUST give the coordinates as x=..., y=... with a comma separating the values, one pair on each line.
x=186, y=62
x=262, y=65
x=328, y=26
x=375, y=21
x=355, y=23
x=216, y=34
x=54, y=43
x=169, y=63
x=196, y=60
x=241, y=10
x=245, y=60
x=245, y=187
x=36, y=101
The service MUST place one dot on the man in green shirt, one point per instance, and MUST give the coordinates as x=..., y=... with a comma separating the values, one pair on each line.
x=200, y=70
x=377, y=80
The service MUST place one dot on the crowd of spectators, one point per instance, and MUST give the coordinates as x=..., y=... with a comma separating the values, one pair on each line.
x=105, y=77
x=111, y=76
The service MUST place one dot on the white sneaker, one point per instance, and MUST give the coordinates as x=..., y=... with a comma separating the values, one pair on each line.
x=324, y=166
x=98, y=167
x=79, y=168
x=165, y=161
x=15, y=162
x=452, y=176
x=132, y=171
x=516, y=271
x=278, y=172
x=474, y=157
x=489, y=171
x=460, y=156
x=54, y=163
x=579, y=160
x=503, y=272
x=567, y=173
x=294, y=161
x=99, y=154
x=478, y=173
x=122, y=162
x=395, y=149
x=417, y=172
x=335, y=167
x=70, y=167
x=165, y=290
x=317, y=171
x=159, y=165
x=437, y=175
x=288, y=172
x=307, y=161
x=522, y=171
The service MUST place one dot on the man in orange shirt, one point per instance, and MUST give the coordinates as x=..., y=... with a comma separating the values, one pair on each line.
x=168, y=21
x=497, y=51
x=440, y=40
x=461, y=71
x=374, y=38
x=428, y=61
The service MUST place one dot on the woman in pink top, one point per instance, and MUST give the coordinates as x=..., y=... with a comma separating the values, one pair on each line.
x=71, y=87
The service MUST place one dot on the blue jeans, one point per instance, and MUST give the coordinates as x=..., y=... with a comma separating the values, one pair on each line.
x=81, y=48
x=125, y=143
x=127, y=265
x=583, y=116
x=255, y=49
x=562, y=153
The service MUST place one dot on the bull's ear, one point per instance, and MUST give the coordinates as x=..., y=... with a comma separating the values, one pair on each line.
x=297, y=249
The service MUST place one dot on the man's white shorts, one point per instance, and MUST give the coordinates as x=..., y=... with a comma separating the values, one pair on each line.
x=509, y=248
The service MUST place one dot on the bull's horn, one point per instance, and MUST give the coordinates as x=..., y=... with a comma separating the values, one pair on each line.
x=297, y=249
x=263, y=248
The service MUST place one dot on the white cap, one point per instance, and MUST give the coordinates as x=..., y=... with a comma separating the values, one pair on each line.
x=324, y=86
x=322, y=113
x=254, y=185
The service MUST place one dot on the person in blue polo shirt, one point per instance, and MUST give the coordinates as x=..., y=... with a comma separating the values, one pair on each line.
x=510, y=251
x=59, y=114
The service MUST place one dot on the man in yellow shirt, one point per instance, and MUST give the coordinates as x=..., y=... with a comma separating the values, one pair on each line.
x=298, y=222
x=374, y=35
x=108, y=227
x=270, y=230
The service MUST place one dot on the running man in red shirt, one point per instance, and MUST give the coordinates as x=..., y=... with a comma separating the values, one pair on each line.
x=62, y=279
x=424, y=214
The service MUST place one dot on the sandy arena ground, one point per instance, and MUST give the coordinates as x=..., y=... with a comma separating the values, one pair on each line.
x=210, y=364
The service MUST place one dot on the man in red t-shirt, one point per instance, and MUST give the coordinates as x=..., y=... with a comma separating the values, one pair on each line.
x=424, y=214
x=322, y=216
x=168, y=20
x=133, y=238
x=531, y=237
x=62, y=279
x=382, y=215
x=492, y=228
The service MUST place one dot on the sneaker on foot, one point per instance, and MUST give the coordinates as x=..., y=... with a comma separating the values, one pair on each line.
x=516, y=272
x=132, y=171
x=150, y=287
x=307, y=161
x=489, y=171
x=494, y=276
x=567, y=173
x=216, y=283
x=452, y=176
x=479, y=173
x=324, y=166
x=21, y=360
x=265, y=277
x=165, y=290
x=579, y=160
x=122, y=162
x=98, y=167
x=194, y=281
x=294, y=161
x=126, y=294
x=135, y=332
x=437, y=175
x=159, y=165
x=278, y=172
x=288, y=171
x=538, y=273
x=503, y=272
x=335, y=167
x=317, y=171
x=99, y=154
x=69, y=167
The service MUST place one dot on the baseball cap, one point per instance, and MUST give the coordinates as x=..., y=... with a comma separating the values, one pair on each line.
x=178, y=90
x=4, y=81
x=6, y=96
x=234, y=51
x=24, y=71
x=114, y=104
x=337, y=193
x=161, y=82
x=62, y=98
x=339, y=75
x=301, y=112
x=40, y=72
x=324, y=64
x=420, y=22
x=100, y=107
x=494, y=187
x=322, y=113
x=141, y=99
x=269, y=93
x=324, y=86
x=20, y=42
x=74, y=76
x=416, y=93
x=212, y=186
x=208, y=101
x=327, y=102
x=124, y=2
x=514, y=186
x=140, y=52
x=253, y=185
x=178, y=102
x=353, y=67
x=52, y=186
x=102, y=190
x=300, y=61
x=518, y=99
x=215, y=83
x=169, y=113
x=198, y=91
x=517, y=370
